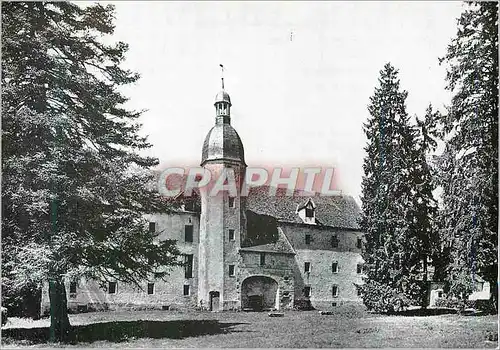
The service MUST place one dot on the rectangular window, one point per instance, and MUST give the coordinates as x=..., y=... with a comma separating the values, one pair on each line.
x=158, y=275
x=188, y=233
x=335, y=267
x=307, y=291
x=308, y=239
x=359, y=243
x=231, y=202
x=309, y=212
x=335, y=242
x=231, y=270
x=359, y=268
x=152, y=227
x=72, y=289
x=151, y=288
x=231, y=235
x=307, y=267
x=188, y=265
x=186, y=289
x=334, y=304
x=335, y=291
x=262, y=259
x=111, y=287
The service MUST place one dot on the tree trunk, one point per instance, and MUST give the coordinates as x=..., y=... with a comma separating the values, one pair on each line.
x=59, y=321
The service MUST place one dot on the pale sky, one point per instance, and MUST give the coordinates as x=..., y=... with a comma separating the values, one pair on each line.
x=300, y=74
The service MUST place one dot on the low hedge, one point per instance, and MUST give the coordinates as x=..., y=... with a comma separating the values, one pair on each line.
x=460, y=304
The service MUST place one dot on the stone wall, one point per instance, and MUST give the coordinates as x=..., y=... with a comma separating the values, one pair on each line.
x=233, y=219
x=166, y=293
x=321, y=255
x=278, y=266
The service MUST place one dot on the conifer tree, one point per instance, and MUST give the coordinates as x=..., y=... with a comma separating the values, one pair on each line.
x=424, y=206
x=393, y=251
x=470, y=177
x=74, y=185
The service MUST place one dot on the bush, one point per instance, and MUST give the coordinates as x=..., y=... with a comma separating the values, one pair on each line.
x=451, y=303
x=382, y=298
x=23, y=302
x=303, y=304
x=459, y=304
x=487, y=305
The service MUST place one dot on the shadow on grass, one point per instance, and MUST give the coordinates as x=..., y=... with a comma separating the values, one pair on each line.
x=426, y=312
x=440, y=311
x=124, y=330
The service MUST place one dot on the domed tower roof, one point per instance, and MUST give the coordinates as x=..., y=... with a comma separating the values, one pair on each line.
x=223, y=143
x=223, y=96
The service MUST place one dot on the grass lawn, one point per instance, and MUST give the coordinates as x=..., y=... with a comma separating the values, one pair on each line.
x=348, y=327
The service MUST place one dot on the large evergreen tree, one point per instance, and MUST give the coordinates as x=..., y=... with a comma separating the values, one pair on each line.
x=424, y=206
x=470, y=186
x=396, y=190
x=74, y=185
x=385, y=196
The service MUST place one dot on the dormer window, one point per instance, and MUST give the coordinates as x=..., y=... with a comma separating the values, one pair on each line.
x=307, y=212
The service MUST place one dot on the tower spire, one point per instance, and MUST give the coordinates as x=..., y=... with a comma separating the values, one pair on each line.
x=222, y=75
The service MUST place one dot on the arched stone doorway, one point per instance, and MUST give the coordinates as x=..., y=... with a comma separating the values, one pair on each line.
x=259, y=293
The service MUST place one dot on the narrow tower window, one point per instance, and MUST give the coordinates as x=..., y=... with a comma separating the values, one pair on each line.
x=188, y=265
x=231, y=202
x=335, y=267
x=188, y=233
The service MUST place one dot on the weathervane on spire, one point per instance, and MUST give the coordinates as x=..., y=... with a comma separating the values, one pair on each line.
x=222, y=75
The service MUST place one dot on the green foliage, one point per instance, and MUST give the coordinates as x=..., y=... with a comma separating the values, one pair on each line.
x=397, y=201
x=462, y=304
x=468, y=168
x=75, y=187
x=382, y=298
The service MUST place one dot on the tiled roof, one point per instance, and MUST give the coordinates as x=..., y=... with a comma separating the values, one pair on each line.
x=280, y=246
x=339, y=211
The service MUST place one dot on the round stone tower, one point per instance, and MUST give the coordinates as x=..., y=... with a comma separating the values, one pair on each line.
x=222, y=220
